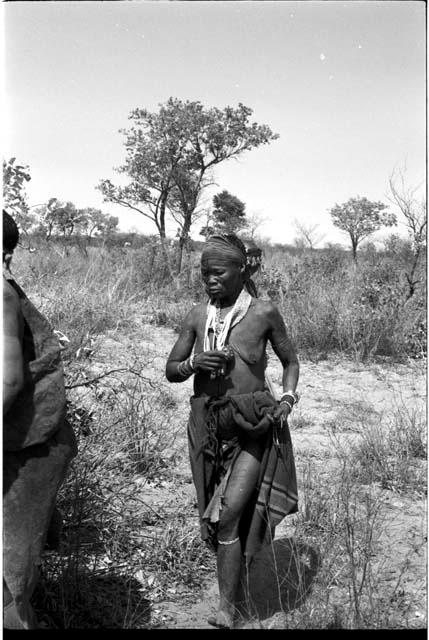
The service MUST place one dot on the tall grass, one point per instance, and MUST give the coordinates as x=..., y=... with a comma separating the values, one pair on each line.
x=329, y=304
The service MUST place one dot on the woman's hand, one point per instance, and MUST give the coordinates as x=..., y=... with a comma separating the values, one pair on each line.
x=282, y=411
x=210, y=361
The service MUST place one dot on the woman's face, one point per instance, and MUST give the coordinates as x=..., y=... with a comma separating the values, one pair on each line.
x=222, y=278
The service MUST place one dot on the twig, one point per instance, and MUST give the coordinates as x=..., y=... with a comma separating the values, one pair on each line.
x=104, y=375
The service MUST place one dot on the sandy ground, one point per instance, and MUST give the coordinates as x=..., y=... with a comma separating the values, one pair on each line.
x=335, y=393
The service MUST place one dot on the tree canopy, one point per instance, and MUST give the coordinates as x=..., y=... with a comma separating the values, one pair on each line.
x=14, y=196
x=228, y=214
x=359, y=218
x=64, y=218
x=170, y=155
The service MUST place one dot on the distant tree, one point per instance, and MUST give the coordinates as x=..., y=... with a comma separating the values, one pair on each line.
x=67, y=218
x=228, y=214
x=308, y=234
x=56, y=217
x=95, y=222
x=359, y=218
x=14, y=196
x=46, y=217
x=414, y=211
x=254, y=222
x=170, y=155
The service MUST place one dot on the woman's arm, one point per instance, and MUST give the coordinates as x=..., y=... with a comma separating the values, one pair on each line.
x=181, y=351
x=285, y=351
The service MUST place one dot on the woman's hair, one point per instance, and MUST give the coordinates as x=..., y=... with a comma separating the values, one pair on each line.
x=10, y=233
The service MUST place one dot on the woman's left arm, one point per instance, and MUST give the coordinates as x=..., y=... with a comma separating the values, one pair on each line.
x=285, y=351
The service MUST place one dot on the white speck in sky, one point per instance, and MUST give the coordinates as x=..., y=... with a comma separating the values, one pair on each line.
x=291, y=15
x=331, y=77
x=236, y=85
x=322, y=57
x=359, y=46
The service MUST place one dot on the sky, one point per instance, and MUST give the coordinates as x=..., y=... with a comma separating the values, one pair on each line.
x=342, y=83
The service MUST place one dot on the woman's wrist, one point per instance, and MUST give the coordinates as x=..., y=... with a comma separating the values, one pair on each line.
x=184, y=369
x=289, y=398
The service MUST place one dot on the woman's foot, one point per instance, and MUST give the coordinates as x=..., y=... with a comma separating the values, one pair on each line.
x=222, y=620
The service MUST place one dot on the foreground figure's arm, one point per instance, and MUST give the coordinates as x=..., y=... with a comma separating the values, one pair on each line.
x=13, y=367
x=285, y=351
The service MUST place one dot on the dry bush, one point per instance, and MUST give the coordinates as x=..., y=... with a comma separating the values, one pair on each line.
x=343, y=521
x=393, y=452
x=113, y=539
x=329, y=304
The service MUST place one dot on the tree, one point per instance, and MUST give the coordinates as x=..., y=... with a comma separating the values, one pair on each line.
x=414, y=211
x=228, y=214
x=359, y=217
x=170, y=155
x=308, y=234
x=94, y=221
x=254, y=222
x=14, y=196
x=59, y=217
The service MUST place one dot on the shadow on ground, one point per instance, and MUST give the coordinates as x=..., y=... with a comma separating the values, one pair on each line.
x=279, y=579
x=108, y=601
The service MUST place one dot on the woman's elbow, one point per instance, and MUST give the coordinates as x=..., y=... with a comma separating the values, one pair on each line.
x=170, y=372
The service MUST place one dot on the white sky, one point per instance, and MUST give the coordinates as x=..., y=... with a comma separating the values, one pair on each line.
x=343, y=83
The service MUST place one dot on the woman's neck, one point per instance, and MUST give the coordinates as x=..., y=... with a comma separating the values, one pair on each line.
x=230, y=300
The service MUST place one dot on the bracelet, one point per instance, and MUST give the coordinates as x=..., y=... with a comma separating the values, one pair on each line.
x=184, y=368
x=292, y=395
x=191, y=361
x=288, y=404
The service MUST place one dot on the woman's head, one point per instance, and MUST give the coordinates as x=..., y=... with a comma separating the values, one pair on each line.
x=224, y=265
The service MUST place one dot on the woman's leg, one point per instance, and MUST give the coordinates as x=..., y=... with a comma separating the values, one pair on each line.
x=241, y=484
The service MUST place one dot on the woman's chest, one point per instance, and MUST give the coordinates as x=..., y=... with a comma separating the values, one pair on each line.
x=248, y=338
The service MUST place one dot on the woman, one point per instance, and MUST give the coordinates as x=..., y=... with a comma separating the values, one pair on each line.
x=239, y=442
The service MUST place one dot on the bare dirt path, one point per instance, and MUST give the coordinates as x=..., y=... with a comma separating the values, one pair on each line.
x=337, y=396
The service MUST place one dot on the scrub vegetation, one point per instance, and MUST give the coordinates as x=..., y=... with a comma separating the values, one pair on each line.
x=130, y=553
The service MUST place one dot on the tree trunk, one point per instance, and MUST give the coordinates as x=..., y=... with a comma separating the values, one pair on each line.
x=184, y=238
x=354, y=250
x=410, y=276
x=166, y=256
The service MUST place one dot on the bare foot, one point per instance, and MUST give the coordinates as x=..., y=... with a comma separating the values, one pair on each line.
x=222, y=620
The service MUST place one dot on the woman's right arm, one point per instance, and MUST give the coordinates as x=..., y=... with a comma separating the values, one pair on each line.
x=181, y=351
x=178, y=368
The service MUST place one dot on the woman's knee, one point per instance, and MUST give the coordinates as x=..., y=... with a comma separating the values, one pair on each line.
x=228, y=521
x=227, y=530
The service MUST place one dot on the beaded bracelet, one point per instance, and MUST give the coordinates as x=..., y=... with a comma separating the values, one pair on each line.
x=185, y=368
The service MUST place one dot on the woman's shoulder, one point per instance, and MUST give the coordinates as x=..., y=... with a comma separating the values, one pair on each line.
x=264, y=306
x=197, y=312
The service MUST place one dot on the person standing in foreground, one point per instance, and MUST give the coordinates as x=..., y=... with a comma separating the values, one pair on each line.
x=38, y=442
x=239, y=442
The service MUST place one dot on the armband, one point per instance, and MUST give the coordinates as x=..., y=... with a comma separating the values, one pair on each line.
x=288, y=397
